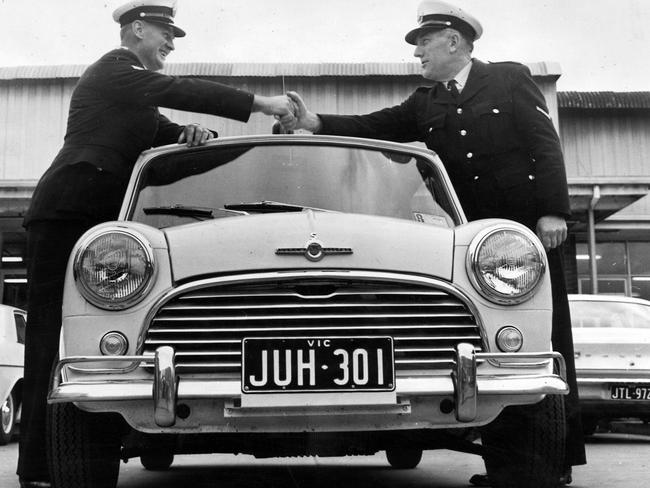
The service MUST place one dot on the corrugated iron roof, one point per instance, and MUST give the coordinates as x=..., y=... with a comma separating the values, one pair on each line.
x=41, y=72
x=603, y=100
x=258, y=70
x=293, y=69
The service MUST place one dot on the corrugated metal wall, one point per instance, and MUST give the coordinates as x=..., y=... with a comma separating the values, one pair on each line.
x=599, y=143
x=612, y=143
x=33, y=114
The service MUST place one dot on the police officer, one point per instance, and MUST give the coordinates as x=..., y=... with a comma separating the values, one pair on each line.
x=113, y=116
x=492, y=130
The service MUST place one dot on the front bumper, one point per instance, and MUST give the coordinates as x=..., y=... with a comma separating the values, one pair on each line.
x=165, y=389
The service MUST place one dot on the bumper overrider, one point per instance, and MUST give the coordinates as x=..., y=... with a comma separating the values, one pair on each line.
x=166, y=389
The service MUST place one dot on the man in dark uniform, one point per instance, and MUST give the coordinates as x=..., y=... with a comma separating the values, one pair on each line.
x=491, y=128
x=113, y=117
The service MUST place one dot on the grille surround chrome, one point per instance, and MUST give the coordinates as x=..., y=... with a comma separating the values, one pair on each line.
x=467, y=321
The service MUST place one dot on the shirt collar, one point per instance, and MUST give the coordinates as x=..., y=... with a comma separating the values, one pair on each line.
x=462, y=75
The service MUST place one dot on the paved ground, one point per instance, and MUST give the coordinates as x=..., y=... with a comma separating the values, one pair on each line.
x=616, y=460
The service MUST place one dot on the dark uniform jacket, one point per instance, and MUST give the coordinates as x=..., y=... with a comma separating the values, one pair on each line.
x=113, y=117
x=496, y=141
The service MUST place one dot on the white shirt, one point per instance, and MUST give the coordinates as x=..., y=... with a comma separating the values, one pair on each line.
x=461, y=77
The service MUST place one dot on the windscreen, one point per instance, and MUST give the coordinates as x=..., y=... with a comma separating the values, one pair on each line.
x=231, y=181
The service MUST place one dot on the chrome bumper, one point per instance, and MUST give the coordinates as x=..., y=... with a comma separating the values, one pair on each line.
x=165, y=389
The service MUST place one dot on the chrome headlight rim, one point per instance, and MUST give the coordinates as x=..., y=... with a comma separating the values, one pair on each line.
x=472, y=264
x=149, y=271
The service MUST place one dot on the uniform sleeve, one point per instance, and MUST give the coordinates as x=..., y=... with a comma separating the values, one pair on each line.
x=119, y=78
x=396, y=123
x=168, y=131
x=533, y=119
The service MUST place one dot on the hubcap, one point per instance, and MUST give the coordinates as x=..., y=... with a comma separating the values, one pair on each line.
x=7, y=415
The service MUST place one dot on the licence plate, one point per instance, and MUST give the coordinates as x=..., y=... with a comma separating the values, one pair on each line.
x=630, y=392
x=317, y=364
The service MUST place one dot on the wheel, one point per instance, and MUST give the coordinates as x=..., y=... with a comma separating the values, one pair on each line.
x=157, y=461
x=85, y=447
x=404, y=458
x=524, y=446
x=8, y=413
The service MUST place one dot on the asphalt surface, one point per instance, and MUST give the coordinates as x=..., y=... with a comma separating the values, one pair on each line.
x=619, y=459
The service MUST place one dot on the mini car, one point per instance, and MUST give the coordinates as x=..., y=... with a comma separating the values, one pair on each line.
x=295, y=295
x=611, y=336
x=12, y=350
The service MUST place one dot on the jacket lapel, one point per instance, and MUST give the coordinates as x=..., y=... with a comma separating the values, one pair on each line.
x=476, y=81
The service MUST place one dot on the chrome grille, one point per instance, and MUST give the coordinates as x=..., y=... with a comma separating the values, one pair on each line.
x=205, y=326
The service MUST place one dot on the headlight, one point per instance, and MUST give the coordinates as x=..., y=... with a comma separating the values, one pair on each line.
x=506, y=264
x=113, y=268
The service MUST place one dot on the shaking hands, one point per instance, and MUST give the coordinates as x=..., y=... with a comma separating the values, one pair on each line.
x=289, y=110
x=281, y=107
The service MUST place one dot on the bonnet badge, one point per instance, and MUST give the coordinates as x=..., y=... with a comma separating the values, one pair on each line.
x=313, y=250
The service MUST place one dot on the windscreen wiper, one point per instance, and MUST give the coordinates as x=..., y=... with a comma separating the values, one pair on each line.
x=267, y=206
x=199, y=213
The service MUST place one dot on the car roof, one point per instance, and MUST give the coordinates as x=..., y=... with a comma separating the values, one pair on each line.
x=584, y=297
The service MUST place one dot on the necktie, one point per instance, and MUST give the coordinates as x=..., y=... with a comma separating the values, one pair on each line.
x=453, y=89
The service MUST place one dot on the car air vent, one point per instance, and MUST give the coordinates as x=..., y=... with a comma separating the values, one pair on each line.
x=315, y=289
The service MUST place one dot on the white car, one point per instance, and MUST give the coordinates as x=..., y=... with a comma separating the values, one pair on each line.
x=611, y=336
x=12, y=351
x=289, y=295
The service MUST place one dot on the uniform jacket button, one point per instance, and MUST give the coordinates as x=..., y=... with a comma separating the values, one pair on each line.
x=531, y=177
x=459, y=110
x=495, y=110
x=470, y=155
x=463, y=132
x=430, y=129
x=475, y=177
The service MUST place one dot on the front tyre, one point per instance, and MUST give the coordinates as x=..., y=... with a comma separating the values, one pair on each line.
x=404, y=458
x=8, y=415
x=524, y=445
x=85, y=448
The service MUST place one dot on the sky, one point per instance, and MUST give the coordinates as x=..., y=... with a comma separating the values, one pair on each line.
x=600, y=45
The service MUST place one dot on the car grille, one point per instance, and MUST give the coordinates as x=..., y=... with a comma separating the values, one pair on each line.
x=205, y=326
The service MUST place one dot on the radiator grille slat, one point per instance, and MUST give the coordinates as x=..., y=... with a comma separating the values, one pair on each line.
x=205, y=326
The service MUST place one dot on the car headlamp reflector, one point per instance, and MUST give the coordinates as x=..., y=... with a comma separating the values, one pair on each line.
x=114, y=268
x=506, y=264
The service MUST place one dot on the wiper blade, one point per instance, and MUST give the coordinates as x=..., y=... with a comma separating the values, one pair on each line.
x=199, y=213
x=267, y=206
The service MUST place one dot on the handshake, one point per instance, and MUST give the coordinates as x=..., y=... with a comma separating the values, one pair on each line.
x=290, y=112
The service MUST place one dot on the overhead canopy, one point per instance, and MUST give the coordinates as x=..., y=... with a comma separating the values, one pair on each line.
x=606, y=197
